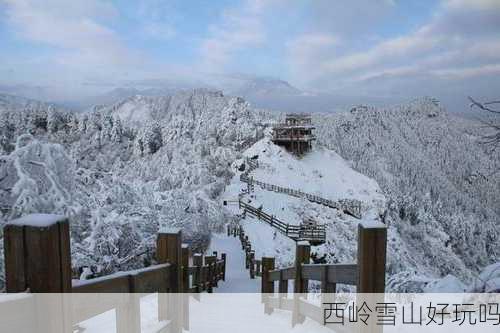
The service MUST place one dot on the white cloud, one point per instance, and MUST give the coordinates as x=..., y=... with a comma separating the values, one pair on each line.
x=158, y=30
x=74, y=28
x=240, y=28
x=461, y=41
x=156, y=18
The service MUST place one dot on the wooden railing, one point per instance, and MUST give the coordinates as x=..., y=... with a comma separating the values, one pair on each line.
x=313, y=233
x=348, y=206
x=251, y=262
x=368, y=275
x=38, y=260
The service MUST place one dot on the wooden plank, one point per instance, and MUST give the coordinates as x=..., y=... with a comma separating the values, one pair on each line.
x=288, y=273
x=274, y=275
x=114, y=283
x=15, y=275
x=343, y=273
x=312, y=271
x=151, y=279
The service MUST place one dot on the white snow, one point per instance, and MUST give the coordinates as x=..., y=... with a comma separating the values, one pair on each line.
x=448, y=284
x=321, y=171
x=38, y=220
x=372, y=224
x=237, y=276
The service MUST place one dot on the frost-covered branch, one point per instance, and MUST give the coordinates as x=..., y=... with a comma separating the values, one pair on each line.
x=493, y=138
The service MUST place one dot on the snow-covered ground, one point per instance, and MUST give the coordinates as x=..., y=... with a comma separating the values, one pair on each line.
x=321, y=172
x=237, y=277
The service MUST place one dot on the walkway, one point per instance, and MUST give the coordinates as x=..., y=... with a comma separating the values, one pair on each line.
x=237, y=277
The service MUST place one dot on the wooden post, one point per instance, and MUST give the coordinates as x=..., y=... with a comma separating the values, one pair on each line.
x=223, y=255
x=37, y=254
x=252, y=264
x=282, y=289
x=267, y=265
x=327, y=288
x=210, y=261
x=267, y=286
x=215, y=270
x=302, y=256
x=169, y=249
x=185, y=267
x=185, y=285
x=372, y=240
x=198, y=263
x=38, y=257
x=247, y=257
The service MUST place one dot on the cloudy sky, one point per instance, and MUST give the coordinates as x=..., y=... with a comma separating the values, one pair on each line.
x=385, y=48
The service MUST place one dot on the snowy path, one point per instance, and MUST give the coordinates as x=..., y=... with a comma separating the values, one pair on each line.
x=237, y=277
x=235, y=306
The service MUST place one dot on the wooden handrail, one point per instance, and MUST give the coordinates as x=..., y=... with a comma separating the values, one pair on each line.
x=146, y=280
x=296, y=232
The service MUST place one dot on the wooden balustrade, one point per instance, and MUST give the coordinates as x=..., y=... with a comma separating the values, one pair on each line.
x=315, y=233
x=368, y=274
x=37, y=258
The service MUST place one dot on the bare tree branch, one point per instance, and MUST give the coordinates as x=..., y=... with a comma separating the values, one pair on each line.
x=491, y=139
x=482, y=105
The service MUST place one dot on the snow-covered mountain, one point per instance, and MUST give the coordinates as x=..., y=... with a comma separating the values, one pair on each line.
x=125, y=170
x=265, y=87
x=129, y=169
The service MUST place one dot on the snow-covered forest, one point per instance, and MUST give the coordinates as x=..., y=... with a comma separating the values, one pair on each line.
x=122, y=171
x=441, y=184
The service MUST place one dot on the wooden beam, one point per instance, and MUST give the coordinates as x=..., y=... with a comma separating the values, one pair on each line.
x=372, y=241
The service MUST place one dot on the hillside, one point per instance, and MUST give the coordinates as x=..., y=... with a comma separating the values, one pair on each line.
x=442, y=187
x=125, y=170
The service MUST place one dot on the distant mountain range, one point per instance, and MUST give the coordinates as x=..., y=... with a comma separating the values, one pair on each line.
x=261, y=92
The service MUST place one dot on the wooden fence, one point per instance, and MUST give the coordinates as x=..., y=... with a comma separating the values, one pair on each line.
x=38, y=260
x=315, y=233
x=348, y=206
x=251, y=262
x=368, y=275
